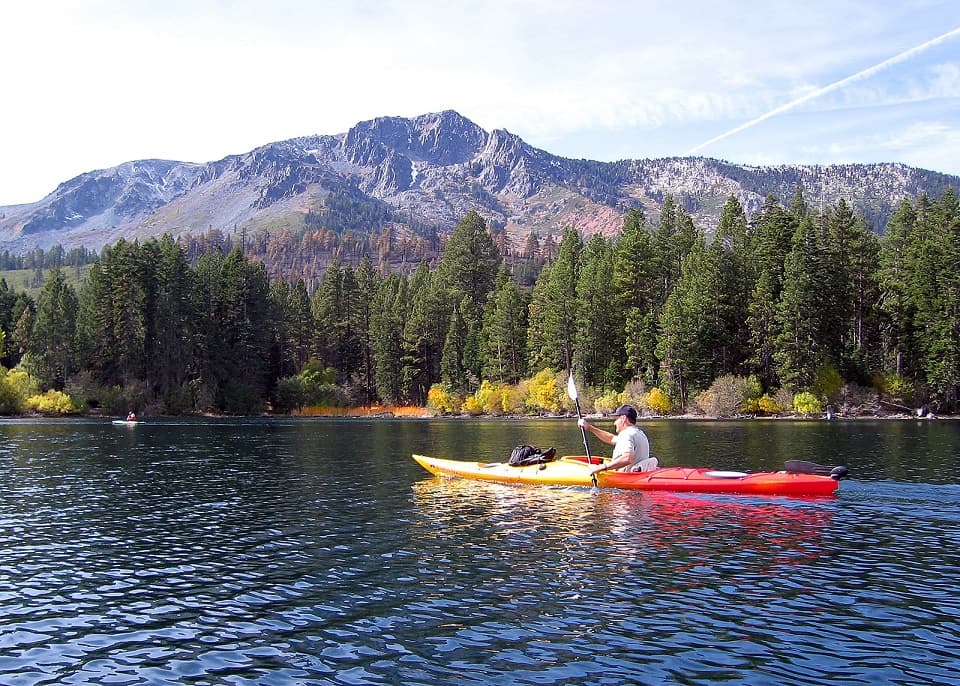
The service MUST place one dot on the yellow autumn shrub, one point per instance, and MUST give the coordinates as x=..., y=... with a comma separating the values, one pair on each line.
x=51, y=402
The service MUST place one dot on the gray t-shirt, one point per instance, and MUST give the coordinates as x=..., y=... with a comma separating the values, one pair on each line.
x=632, y=440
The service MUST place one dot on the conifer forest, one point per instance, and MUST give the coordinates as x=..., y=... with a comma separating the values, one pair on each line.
x=797, y=303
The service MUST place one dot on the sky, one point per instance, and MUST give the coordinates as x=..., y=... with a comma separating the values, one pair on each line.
x=90, y=84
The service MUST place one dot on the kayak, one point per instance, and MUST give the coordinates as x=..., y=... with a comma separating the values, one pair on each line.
x=799, y=479
x=126, y=422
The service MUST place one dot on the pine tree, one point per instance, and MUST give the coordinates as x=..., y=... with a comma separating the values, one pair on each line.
x=504, y=332
x=21, y=334
x=128, y=300
x=298, y=325
x=671, y=242
x=799, y=209
x=472, y=352
x=703, y=319
x=599, y=355
x=282, y=362
x=735, y=274
x=689, y=333
x=939, y=312
x=539, y=349
x=560, y=307
x=799, y=346
x=470, y=260
x=424, y=332
x=170, y=319
x=326, y=303
x=897, y=321
x=459, y=353
x=52, y=348
x=635, y=283
x=112, y=325
x=350, y=333
x=244, y=334
x=836, y=299
x=388, y=311
x=211, y=355
x=11, y=308
x=853, y=261
x=771, y=243
x=368, y=280
x=924, y=255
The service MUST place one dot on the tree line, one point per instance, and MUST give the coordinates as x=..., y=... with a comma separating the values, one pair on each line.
x=789, y=300
x=53, y=257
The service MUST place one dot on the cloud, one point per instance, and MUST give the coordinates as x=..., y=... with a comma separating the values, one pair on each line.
x=106, y=81
x=841, y=83
x=907, y=141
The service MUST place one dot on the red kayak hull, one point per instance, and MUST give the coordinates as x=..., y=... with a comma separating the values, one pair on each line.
x=690, y=480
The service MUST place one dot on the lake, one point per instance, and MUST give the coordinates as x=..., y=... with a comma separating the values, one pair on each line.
x=315, y=551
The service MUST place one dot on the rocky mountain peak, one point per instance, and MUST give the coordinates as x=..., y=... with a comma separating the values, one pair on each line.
x=428, y=171
x=441, y=139
x=116, y=194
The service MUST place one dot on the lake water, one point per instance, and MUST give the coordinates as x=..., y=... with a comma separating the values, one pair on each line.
x=317, y=552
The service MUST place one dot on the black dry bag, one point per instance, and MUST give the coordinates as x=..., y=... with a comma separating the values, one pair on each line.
x=524, y=455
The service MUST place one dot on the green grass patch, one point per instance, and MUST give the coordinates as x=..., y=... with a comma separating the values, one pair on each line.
x=32, y=280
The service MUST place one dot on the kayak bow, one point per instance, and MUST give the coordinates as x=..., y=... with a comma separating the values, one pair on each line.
x=567, y=471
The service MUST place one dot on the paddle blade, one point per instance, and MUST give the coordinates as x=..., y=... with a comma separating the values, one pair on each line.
x=838, y=473
x=571, y=388
x=804, y=467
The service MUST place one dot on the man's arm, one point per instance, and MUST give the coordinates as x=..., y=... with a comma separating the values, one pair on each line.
x=621, y=461
x=604, y=436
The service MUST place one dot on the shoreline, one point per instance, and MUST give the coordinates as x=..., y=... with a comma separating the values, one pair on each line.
x=424, y=413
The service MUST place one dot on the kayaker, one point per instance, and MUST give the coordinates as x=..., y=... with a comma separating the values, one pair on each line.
x=630, y=444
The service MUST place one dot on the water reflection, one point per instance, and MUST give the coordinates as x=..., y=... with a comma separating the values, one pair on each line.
x=647, y=576
x=642, y=528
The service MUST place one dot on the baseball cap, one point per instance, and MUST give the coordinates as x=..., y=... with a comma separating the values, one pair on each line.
x=627, y=411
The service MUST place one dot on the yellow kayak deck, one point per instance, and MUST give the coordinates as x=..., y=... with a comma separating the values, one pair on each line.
x=570, y=470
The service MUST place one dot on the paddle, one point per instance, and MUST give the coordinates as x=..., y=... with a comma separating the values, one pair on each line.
x=574, y=396
x=804, y=467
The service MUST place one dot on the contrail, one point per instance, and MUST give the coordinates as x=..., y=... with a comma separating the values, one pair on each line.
x=869, y=71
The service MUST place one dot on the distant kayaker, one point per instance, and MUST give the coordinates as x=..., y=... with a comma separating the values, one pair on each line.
x=630, y=445
x=131, y=417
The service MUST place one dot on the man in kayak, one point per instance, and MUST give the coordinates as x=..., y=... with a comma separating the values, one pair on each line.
x=630, y=445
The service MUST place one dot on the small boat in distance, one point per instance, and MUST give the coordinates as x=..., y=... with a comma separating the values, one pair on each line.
x=130, y=419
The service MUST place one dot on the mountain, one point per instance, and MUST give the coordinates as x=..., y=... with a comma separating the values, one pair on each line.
x=422, y=175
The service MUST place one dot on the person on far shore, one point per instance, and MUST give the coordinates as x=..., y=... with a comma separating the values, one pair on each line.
x=631, y=448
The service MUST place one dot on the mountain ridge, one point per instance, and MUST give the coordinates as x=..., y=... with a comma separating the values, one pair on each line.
x=424, y=174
